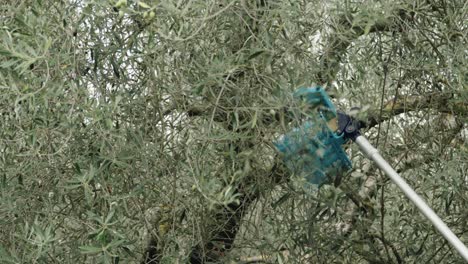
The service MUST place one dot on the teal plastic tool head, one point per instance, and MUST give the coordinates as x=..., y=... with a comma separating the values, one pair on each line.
x=314, y=150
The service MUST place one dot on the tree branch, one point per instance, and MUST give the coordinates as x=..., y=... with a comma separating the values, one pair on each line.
x=223, y=238
x=440, y=102
x=346, y=31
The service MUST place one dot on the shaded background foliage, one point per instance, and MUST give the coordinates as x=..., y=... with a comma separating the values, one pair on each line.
x=128, y=121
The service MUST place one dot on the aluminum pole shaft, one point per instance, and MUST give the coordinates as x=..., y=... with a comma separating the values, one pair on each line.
x=373, y=154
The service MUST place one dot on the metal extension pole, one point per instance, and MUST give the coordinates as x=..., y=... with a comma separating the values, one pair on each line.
x=373, y=154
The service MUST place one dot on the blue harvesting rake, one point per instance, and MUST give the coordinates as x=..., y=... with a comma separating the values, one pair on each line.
x=314, y=151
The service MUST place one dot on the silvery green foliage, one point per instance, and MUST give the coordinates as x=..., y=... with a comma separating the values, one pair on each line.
x=125, y=120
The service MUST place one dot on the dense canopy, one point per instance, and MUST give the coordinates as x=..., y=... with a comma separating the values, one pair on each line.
x=142, y=131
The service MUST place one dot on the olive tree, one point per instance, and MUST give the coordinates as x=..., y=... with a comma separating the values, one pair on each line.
x=142, y=131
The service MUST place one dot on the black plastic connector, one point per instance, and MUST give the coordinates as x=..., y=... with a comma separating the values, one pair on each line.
x=348, y=126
